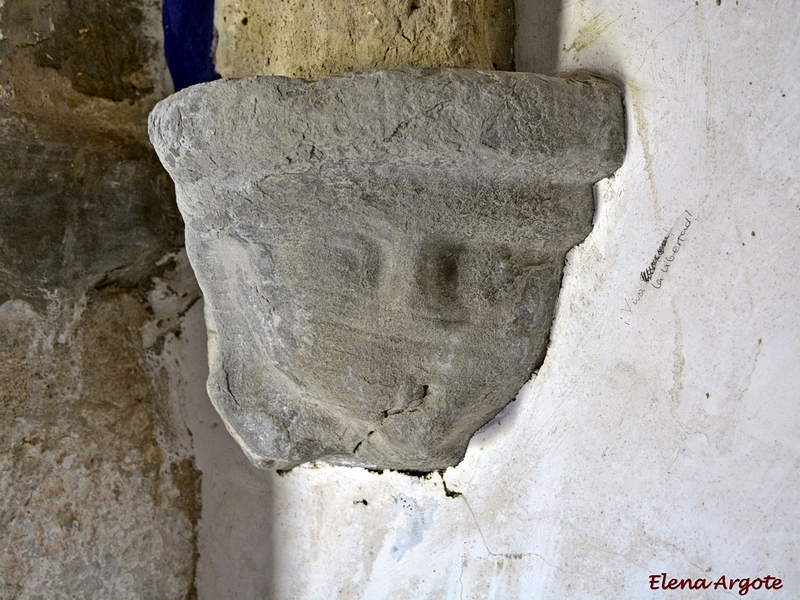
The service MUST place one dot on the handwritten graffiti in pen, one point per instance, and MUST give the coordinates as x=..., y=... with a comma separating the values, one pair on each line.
x=656, y=272
x=647, y=274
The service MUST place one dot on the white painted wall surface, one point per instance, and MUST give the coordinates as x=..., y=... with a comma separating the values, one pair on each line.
x=661, y=435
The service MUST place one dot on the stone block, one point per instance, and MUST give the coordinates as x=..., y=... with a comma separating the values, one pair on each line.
x=381, y=253
x=296, y=38
x=91, y=505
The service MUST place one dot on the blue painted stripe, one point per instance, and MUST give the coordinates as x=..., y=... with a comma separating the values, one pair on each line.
x=188, y=36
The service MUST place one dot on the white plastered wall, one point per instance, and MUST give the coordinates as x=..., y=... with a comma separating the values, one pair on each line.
x=662, y=433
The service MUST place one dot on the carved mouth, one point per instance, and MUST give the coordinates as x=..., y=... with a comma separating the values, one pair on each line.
x=410, y=398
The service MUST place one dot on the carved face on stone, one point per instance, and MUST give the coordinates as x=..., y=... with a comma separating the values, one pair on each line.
x=392, y=318
x=376, y=313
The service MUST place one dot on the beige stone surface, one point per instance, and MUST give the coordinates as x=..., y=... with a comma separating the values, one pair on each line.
x=314, y=39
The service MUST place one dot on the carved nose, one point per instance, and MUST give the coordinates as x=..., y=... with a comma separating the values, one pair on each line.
x=425, y=283
x=437, y=281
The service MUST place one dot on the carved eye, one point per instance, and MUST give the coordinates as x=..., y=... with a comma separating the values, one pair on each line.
x=342, y=265
x=497, y=273
x=439, y=272
x=345, y=263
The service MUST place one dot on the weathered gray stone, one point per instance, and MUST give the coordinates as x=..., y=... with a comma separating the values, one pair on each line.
x=381, y=252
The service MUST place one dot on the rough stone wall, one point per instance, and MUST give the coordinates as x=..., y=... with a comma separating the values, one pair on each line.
x=90, y=506
x=99, y=495
x=84, y=198
x=297, y=38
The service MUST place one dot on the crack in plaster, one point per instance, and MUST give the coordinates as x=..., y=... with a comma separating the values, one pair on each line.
x=658, y=35
x=699, y=568
x=623, y=556
x=513, y=555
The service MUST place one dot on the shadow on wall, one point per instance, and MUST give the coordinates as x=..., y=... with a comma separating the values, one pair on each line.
x=538, y=24
x=235, y=547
